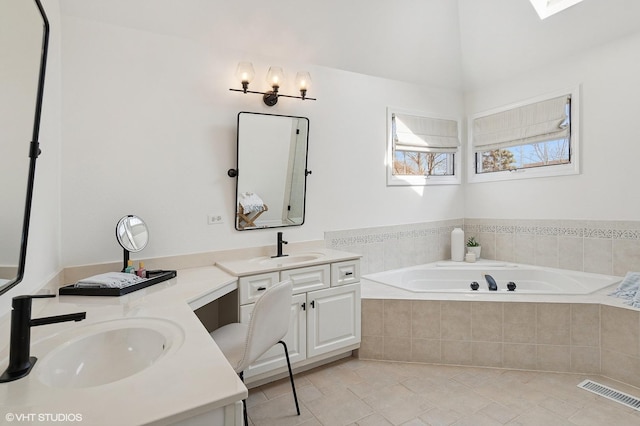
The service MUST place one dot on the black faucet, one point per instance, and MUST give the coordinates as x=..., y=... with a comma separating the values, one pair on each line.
x=493, y=286
x=20, y=363
x=280, y=243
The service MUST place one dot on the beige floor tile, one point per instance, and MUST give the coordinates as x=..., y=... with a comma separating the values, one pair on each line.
x=357, y=393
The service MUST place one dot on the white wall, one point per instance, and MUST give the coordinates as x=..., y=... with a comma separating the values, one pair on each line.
x=610, y=148
x=149, y=128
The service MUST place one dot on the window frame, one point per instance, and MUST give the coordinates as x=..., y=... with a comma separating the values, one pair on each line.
x=414, y=180
x=572, y=168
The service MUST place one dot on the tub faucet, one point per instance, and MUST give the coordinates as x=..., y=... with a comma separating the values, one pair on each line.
x=20, y=363
x=280, y=243
x=493, y=286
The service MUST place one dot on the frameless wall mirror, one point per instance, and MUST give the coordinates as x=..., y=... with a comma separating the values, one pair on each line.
x=272, y=170
x=24, y=34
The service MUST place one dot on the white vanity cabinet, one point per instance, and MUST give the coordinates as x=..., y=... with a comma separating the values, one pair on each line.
x=325, y=313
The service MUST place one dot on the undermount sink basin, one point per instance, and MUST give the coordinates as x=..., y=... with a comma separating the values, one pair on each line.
x=288, y=260
x=105, y=352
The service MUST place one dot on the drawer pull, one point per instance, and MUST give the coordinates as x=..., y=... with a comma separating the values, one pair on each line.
x=304, y=306
x=348, y=273
x=262, y=288
x=313, y=304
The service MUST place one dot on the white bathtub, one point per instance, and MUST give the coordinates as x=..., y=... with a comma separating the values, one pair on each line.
x=456, y=277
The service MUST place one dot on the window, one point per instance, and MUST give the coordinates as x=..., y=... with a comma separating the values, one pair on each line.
x=422, y=150
x=532, y=139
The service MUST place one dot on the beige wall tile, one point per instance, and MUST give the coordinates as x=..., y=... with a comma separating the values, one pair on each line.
x=456, y=352
x=397, y=318
x=598, y=255
x=570, y=253
x=505, y=247
x=372, y=319
x=520, y=356
x=585, y=359
x=486, y=354
x=553, y=323
x=425, y=319
x=488, y=242
x=626, y=256
x=486, y=321
x=585, y=324
x=524, y=248
x=455, y=320
x=519, y=322
x=546, y=251
x=553, y=358
x=620, y=330
x=397, y=349
x=425, y=350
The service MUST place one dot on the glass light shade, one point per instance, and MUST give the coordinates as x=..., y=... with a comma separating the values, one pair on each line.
x=303, y=80
x=245, y=72
x=275, y=76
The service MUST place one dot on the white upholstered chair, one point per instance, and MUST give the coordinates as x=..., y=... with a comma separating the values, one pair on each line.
x=243, y=344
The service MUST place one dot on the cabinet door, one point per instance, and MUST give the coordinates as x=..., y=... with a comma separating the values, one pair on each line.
x=296, y=339
x=252, y=286
x=309, y=278
x=333, y=319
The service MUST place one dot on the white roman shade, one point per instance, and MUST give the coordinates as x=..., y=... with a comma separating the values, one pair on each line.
x=538, y=122
x=424, y=134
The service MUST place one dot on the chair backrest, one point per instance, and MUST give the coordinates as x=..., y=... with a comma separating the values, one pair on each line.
x=269, y=322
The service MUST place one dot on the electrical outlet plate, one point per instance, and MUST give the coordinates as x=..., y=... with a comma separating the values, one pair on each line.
x=215, y=219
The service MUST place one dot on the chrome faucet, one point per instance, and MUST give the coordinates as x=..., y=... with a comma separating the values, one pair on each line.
x=280, y=243
x=20, y=363
x=493, y=286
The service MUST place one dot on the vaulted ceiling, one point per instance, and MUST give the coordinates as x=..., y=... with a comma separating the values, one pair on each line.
x=460, y=44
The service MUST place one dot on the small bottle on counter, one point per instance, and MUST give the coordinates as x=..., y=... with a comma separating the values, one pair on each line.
x=130, y=269
x=141, y=272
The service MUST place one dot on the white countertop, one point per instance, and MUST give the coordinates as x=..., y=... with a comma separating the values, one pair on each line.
x=263, y=264
x=194, y=379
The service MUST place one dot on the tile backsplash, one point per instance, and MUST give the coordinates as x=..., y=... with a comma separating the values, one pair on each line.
x=603, y=247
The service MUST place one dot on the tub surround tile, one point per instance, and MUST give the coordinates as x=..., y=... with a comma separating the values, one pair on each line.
x=456, y=352
x=598, y=255
x=571, y=253
x=455, y=321
x=585, y=324
x=487, y=321
x=426, y=350
x=372, y=309
x=519, y=356
x=585, y=359
x=626, y=256
x=487, y=354
x=519, y=322
x=425, y=319
x=397, y=318
x=621, y=330
x=553, y=358
x=553, y=323
x=397, y=348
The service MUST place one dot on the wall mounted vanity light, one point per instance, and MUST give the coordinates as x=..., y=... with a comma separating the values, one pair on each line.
x=275, y=76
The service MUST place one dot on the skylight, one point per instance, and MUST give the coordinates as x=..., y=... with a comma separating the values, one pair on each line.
x=546, y=8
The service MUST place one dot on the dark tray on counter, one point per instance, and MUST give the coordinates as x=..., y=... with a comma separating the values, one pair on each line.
x=72, y=290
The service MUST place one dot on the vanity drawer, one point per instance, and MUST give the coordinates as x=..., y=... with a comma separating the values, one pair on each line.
x=252, y=287
x=308, y=279
x=343, y=273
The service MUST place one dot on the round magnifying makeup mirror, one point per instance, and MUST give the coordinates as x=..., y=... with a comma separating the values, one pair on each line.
x=132, y=235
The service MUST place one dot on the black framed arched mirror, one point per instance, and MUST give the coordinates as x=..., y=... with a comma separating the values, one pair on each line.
x=24, y=39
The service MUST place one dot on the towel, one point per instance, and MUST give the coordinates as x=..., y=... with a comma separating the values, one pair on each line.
x=109, y=280
x=628, y=289
x=251, y=202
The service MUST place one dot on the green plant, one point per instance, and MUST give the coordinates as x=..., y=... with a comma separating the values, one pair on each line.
x=471, y=242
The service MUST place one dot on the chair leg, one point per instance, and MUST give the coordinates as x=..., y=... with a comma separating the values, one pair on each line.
x=293, y=387
x=244, y=402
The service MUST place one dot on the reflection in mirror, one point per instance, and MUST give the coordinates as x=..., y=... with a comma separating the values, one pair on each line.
x=272, y=170
x=132, y=235
x=24, y=31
